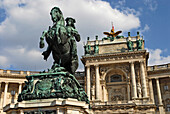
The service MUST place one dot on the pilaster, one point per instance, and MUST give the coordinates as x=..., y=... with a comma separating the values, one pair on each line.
x=88, y=81
x=20, y=88
x=158, y=92
x=161, y=110
x=5, y=93
x=151, y=91
x=97, y=82
x=143, y=79
x=133, y=78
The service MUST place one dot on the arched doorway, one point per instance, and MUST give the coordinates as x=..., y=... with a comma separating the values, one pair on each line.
x=117, y=86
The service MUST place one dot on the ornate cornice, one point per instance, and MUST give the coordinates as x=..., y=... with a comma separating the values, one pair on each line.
x=123, y=106
x=115, y=57
x=114, y=54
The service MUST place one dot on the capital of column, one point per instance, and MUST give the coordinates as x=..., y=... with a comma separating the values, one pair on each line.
x=6, y=82
x=87, y=66
x=141, y=61
x=96, y=65
x=131, y=62
x=157, y=79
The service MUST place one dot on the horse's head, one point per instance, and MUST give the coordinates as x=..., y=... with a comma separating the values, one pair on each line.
x=56, y=15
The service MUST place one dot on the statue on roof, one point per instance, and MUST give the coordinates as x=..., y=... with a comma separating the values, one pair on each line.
x=112, y=35
x=129, y=43
x=139, y=42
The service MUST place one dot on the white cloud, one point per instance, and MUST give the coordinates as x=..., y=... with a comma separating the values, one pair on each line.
x=155, y=57
x=20, y=32
x=145, y=29
x=25, y=59
x=3, y=62
x=152, y=4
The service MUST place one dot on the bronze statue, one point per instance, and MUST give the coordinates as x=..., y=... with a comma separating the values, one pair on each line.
x=61, y=41
x=59, y=81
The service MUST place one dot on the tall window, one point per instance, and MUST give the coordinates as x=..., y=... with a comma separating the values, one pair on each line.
x=116, y=78
x=168, y=108
x=166, y=87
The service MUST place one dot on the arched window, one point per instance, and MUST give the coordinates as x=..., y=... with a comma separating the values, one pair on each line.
x=116, y=78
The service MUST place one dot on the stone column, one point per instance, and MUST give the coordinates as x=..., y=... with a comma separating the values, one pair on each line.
x=0, y=92
x=161, y=110
x=21, y=112
x=97, y=83
x=133, y=78
x=88, y=81
x=0, y=86
x=104, y=93
x=143, y=79
x=20, y=88
x=128, y=92
x=151, y=91
x=5, y=94
x=158, y=92
x=58, y=110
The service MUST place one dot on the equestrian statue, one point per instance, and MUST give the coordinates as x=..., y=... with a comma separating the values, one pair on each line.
x=59, y=81
x=61, y=40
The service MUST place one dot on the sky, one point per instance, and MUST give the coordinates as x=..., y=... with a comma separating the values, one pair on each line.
x=23, y=21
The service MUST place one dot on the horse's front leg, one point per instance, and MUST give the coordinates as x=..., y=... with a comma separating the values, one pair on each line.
x=47, y=53
x=41, y=44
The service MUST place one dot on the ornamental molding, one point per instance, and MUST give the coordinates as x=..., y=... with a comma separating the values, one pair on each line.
x=6, y=75
x=112, y=58
x=104, y=70
x=116, y=54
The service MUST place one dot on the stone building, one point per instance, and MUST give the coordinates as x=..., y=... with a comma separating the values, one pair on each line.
x=117, y=79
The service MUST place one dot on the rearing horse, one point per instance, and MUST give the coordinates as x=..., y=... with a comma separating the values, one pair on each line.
x=57, y=39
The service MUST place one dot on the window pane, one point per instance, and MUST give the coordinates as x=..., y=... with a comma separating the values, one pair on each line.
x=116, y=78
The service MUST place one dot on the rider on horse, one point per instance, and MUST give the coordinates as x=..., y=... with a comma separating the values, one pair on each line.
x=61, y=42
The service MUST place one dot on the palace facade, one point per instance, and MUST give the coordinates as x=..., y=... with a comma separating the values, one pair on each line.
x=117, y=79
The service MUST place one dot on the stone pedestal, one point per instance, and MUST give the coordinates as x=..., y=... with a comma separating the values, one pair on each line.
x=48, y=106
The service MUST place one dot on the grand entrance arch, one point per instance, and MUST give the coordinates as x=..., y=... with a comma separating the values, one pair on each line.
x=117, y=86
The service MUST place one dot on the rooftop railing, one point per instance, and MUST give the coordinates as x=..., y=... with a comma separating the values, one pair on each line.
x=17, y=72
x=110, y=103
x=120, y=40
x=158, y=67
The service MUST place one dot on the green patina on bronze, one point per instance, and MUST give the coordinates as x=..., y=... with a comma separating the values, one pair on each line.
x=96, y=48
x=61, y=41
x=57, y=84
x=139, y=42
x=87, y=49
x=59, y=81
x=130, y=45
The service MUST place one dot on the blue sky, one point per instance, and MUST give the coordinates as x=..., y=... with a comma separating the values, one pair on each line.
x=22, y=23
x=155, y=14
